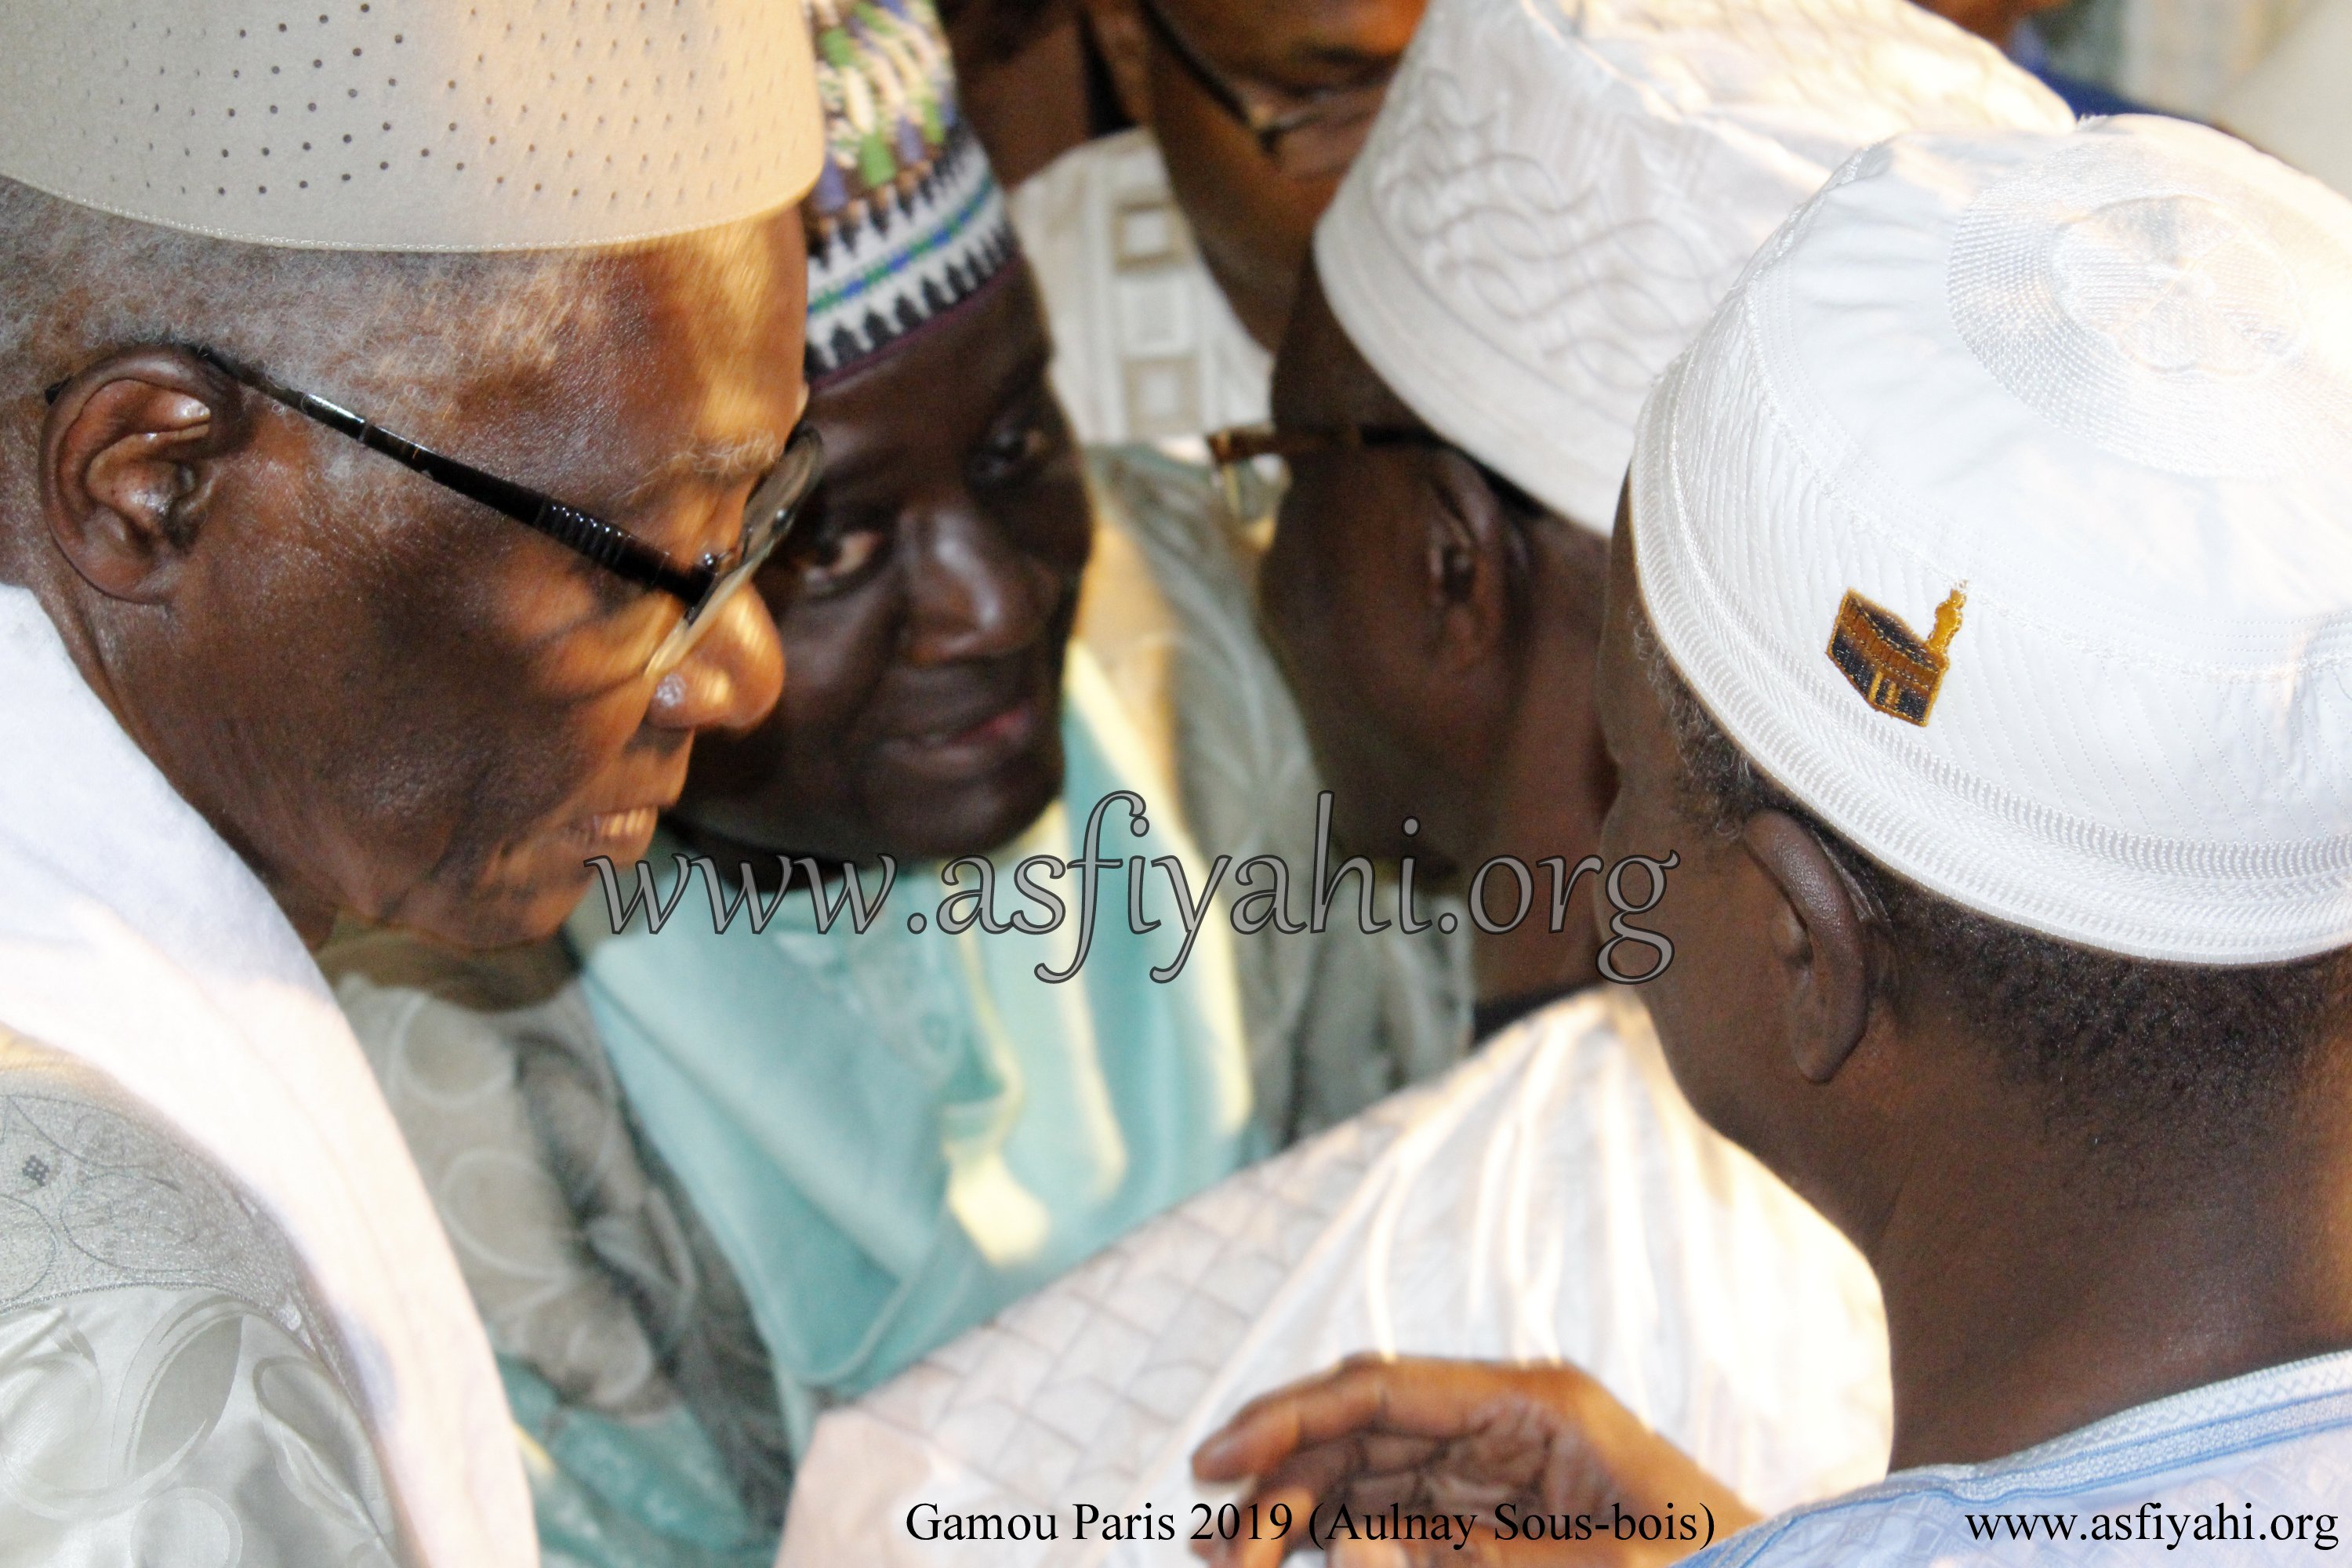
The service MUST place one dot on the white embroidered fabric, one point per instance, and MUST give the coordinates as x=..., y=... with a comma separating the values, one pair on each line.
x=2101, y=382
x=135, y=942
x=2145, y=315
x=1145, y=347
x=2243, y=1472
x=586, y=1263
x=1554, y=1197
x=168, y=1392
x=1558, y=193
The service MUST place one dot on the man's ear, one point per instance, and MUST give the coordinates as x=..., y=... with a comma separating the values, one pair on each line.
x=1124, y=41
x=1822, y=939
x=127, y=466
x=1471, y=554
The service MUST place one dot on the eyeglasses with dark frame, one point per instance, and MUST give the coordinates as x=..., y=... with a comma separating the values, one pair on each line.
x=1229, y=450
x=703, y=587
x=1309, y=143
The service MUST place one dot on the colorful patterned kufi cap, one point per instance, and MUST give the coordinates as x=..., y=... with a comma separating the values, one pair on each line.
x=907, y=221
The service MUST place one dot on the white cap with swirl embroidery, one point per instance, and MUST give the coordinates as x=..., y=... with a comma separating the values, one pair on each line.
x=395, y=125
x=1559, y=192
x=2086, y=400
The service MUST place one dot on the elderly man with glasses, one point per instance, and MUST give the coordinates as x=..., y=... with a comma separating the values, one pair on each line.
x=706, y=1181
x=260, y=679
x=702, y=587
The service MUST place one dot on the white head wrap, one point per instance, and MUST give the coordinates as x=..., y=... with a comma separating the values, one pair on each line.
x=1558, y=193
x=2086, y=402
x=394, y=125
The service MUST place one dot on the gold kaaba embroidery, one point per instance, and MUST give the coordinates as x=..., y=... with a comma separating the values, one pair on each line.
x=1895, y=672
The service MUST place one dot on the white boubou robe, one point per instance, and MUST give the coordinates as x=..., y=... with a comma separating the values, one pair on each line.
x=137, y=947
x=1553, y=1198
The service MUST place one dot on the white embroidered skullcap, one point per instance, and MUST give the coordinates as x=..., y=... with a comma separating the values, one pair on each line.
x=2085, y=400
x=1559, y=192
x=414, y=125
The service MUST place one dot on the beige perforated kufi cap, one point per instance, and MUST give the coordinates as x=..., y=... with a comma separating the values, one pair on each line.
x=2003, y=515
x=412, y=124
x=1558, y=193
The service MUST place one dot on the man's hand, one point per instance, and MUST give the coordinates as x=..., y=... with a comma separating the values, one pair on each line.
x=1506, y=1444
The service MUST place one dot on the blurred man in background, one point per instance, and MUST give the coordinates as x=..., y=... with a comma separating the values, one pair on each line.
x=1168, y=253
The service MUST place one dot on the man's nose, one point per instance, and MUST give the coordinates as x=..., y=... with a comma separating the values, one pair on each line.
x=973, y=593
x=733, y=677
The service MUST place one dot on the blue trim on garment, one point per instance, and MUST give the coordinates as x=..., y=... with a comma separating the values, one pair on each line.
x=2260, y=1410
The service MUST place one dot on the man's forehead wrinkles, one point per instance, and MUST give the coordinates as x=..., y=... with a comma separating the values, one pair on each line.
x=724, y=462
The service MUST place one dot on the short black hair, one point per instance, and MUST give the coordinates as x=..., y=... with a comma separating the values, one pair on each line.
x=2129, y=1051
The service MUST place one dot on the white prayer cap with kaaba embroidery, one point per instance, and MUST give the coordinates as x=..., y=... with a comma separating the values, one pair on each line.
x=2004, y=515
x=1559, y=192
x=412, y=125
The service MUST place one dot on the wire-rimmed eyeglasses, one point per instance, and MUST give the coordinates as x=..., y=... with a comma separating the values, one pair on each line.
x=702, y=586
x=1312, y=142
x=1230, y=449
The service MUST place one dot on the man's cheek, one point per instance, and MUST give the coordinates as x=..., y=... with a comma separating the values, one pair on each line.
x=1621, y=837
x=1612, y=829
x=523, y=893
